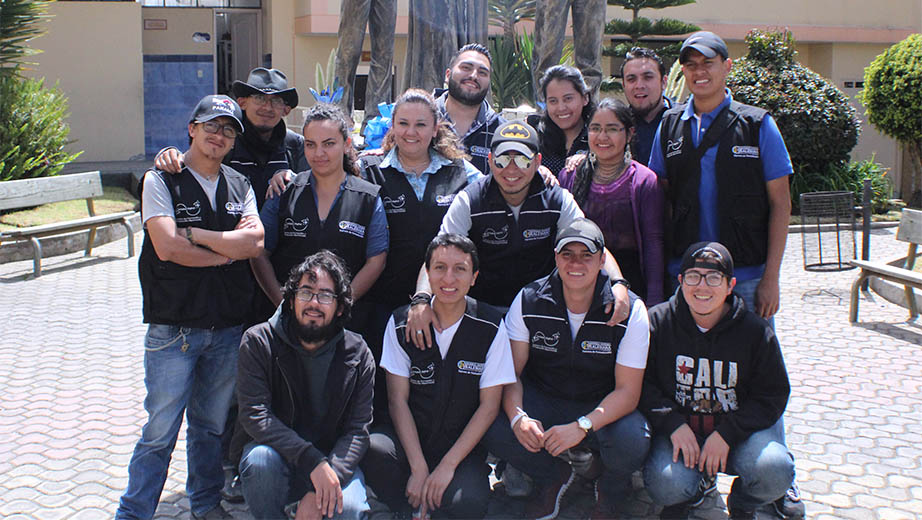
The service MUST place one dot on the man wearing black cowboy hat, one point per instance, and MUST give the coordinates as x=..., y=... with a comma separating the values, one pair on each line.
x=267, y=146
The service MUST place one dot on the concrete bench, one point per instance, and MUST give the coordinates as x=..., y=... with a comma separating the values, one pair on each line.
x=910, y=231
x=27, y=193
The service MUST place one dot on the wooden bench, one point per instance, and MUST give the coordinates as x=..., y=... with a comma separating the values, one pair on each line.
x=910, y=231
x=27, y=193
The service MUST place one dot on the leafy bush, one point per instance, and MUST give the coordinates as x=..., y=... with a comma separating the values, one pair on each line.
x=32, y=129
x=818, y=124
x=510, y=79
x=847, y=177
x=892, y=96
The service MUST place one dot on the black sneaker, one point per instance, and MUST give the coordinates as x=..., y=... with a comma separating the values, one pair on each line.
x=789, y=505
x=216, y=513
x=680, y=511
x=233, y=490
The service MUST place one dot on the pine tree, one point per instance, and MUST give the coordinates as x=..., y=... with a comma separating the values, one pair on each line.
x=638, y=28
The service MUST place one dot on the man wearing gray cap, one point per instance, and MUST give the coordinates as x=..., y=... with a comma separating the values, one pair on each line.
x=578, y=381
x=200, y=228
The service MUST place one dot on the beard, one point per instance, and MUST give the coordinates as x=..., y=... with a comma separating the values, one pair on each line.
x=467, y=98
x=310, y=333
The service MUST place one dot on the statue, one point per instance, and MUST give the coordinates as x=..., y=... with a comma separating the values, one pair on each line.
x=381, y=18
x=437, y=29
x=588, y=26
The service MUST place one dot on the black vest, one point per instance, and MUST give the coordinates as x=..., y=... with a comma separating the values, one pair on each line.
x=412, y=224
x=580, y=370
x=345, y=230
x=199, y=297
x=512, y=254
x=742, y=198
x=444, y=394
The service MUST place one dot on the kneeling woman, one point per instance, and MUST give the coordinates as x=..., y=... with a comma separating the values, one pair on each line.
x=442, y=400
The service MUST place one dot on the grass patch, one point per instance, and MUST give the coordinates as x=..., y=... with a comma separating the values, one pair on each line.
x=113, y=200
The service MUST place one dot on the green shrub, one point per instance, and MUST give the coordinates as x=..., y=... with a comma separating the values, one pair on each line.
x=818, y=124
x=847, y=177
x=32, y=129
x=892, y=96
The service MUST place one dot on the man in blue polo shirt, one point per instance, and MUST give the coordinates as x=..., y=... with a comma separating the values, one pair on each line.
x=726, y=171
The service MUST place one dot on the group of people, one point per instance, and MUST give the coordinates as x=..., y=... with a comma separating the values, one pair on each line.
x=375, y=325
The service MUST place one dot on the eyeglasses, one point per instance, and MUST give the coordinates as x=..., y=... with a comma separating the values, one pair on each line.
x=597, y=129
x=693, y=278
x=305, y=295
x=502, y=161
x=262, y=99
x=229, y=131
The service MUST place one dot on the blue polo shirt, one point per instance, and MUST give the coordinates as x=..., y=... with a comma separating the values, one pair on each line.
x=776, y=163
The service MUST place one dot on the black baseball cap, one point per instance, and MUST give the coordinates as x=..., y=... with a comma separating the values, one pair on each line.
x=708, y=255
x=705, y=42
x=515, y=135
x=581, y=230
x=211, y=107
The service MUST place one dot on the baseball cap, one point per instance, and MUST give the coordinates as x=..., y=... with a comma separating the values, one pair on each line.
x=718, y=258
x=705, y=42
x=581, y=230
x=515, y=135
x=211, y=107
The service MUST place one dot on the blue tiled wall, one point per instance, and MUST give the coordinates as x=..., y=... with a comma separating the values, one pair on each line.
x=173, y=84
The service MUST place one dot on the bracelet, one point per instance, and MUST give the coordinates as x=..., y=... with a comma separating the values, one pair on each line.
x=420, y=297
x=518, y=417
x=188, y=231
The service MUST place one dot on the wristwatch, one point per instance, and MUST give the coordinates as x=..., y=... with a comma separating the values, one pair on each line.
x=621, y=281
x=585, y=423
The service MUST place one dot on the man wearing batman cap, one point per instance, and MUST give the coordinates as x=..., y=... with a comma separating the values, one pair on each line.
x=268, y=146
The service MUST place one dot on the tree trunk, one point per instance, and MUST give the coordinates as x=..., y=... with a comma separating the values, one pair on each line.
x=914, y=197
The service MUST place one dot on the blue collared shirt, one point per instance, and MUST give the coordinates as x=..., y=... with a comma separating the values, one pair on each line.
x=436, y=161
x=776, y=163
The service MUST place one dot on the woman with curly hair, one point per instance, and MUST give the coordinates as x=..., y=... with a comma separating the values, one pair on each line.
x=421, y=169
x=623, y=198
x=562, y=126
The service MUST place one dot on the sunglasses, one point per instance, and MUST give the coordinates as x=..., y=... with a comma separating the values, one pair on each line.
x=262, y=99
x=503, y=161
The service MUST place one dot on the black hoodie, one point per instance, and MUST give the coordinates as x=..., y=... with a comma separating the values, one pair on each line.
x=269, y=388
x=731, y=379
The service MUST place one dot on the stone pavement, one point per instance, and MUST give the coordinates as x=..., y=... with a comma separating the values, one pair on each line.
x=71, y=392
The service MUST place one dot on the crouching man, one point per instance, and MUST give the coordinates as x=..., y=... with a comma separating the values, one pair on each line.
x=443, y=399
x=714, y=391
x=579, y=379
x=304, y=387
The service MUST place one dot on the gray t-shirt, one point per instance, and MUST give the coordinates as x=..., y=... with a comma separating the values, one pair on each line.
x=156, y=200
x=458, y=217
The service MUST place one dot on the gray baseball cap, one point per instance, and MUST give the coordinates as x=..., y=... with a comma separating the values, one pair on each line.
x=705, y=42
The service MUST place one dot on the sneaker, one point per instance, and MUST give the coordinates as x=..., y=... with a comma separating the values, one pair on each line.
x=233, y=490
x=736, y=511
x=789, y=505
x=550, y=498
x=706, y=486
x=516, y=483
x=215, y=513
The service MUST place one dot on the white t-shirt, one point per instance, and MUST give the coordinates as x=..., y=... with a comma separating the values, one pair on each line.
x=498, y=368
x=632, y=351
x=156, y=200
x=458, y=217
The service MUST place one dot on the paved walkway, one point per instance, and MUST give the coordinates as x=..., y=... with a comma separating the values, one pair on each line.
x=71, y=388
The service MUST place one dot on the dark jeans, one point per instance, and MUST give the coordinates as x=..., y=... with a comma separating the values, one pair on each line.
x=623, y=444
x=388, y=471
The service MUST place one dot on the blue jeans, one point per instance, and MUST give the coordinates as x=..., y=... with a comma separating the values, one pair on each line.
x=269, y=484
x=623, y=444
x=747, y=291
x=764, y=466
x=191, y=370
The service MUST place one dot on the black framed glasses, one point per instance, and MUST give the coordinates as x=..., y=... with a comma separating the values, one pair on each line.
x=502, y=161
x=229, y=131
x=693, y=278
x=323, y=297
x=262, y=99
